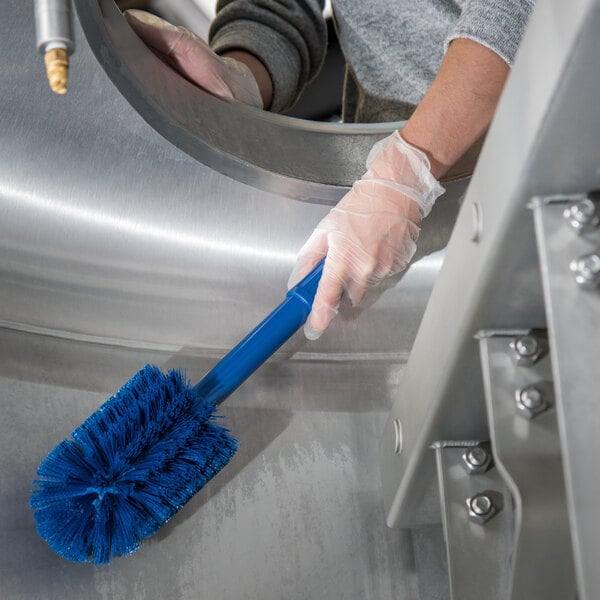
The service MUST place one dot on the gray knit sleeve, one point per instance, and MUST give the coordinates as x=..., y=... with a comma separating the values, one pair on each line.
x=497, y=24
x=288, y=36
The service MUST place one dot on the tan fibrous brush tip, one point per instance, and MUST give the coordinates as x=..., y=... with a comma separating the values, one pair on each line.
x=57, y=69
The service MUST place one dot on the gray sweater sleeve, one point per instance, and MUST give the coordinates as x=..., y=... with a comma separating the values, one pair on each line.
x=496, y=24
x=288, y=36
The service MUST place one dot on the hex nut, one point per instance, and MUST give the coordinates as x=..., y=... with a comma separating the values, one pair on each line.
x=526, y=350
x=586, y=269
x=583, y=216
x=530, y=401
x=477, y=460
x=481, y=508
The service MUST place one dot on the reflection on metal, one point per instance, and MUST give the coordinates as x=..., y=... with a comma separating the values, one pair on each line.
x=527, y=453
x=573, y=314
x=112, y=235
x=479, y=537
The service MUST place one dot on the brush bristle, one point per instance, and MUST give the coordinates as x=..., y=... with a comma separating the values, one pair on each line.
x=128, y=468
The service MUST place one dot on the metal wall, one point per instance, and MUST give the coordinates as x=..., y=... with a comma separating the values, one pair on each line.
x=111, y=233
x=143, y=220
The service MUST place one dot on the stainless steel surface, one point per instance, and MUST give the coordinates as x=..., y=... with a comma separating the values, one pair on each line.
x=54, y=24
x=544, y=139
x=573, y=315
x=297, y=514
x=110, y=234
x=270, y=151
x=527, y=453
x=118, y=247
x=478, y=552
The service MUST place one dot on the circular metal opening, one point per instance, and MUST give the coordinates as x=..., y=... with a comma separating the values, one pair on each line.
x=263, y=149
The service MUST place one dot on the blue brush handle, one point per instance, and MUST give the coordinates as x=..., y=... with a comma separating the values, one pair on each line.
x=236, y=366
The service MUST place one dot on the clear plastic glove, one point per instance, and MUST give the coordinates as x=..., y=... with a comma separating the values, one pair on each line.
x=193, y=58
x=371, y=234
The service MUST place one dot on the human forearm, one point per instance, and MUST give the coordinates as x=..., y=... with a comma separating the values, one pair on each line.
x=459, y=106
x=288, y=38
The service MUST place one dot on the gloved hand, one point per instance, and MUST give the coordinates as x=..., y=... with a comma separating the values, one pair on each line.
x=372, y=232
x=193, y=58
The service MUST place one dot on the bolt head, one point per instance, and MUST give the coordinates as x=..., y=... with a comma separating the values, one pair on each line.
x=582, y=216
x=481, y=508
x=477, y=460
x=481, y=505
x=530, y=401
x=526, y=345
x=586, y=270
x=526, y=350
x=532, y=398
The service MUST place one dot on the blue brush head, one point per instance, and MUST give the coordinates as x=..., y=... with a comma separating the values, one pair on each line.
x=128, y=468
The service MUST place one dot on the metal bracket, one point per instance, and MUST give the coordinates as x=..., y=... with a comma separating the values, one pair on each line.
x=478, y=546
x=527, y=453
x=573, y=314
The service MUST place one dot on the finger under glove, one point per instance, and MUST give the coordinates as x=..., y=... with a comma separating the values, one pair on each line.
x=405, y=168
x=193, y=58
x=371, y=234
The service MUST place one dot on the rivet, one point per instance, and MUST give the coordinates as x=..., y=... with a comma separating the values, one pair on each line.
x=398, y=436
x=476, y=222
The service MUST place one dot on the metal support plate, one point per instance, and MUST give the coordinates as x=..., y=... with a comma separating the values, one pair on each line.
x=544, y=140
x=527, y=454
x=573, y=316
x=478, y=554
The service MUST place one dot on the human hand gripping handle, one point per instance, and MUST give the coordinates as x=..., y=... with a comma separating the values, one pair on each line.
x=372, y=232
x=192, y=57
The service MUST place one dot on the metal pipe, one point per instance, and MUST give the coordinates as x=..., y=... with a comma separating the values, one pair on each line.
x=54, y=33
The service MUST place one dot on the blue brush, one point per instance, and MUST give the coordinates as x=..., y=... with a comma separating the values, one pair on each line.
x=130, y=466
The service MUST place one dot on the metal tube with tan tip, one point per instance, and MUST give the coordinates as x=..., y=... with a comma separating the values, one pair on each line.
x=54, y=32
